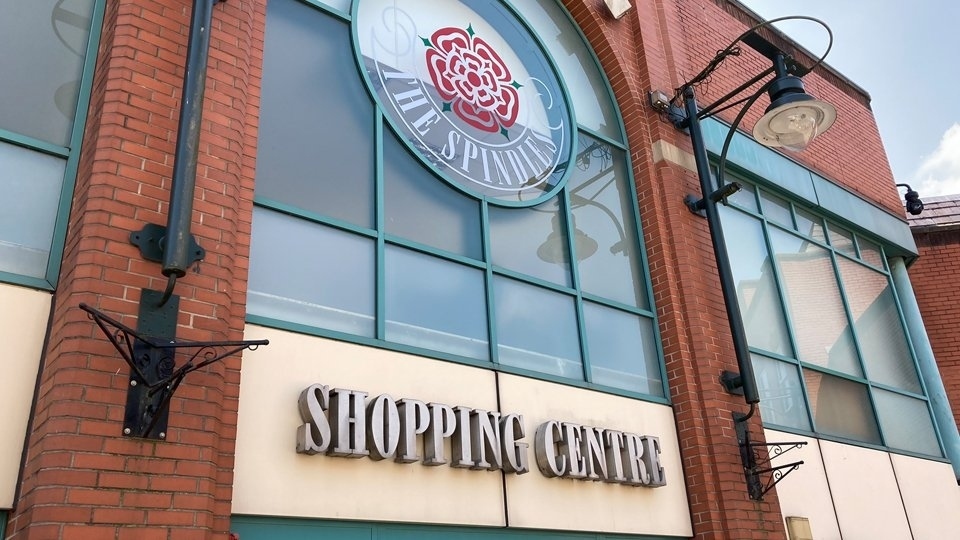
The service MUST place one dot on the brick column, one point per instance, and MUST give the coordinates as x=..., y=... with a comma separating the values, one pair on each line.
x=82, y=479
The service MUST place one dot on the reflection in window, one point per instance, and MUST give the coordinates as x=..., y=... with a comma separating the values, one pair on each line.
x=537, y=329
x=781, y=394
x=820, y=323
x=314, y=150
x=841, y=407
x=842, y=240
x=810, y=225
x=575, y=61
x=623, y=350
x=532, y=241
x=601, y=200
x=310, y=274
x=883, y=341
x=43, y=49
x=757, y=292
x=31, y=183
x=424, y=209
x=906, y=422
x=422, y=294
x=776, y=209
x=44, y=45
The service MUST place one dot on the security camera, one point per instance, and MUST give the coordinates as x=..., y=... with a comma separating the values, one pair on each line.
x=912, y=200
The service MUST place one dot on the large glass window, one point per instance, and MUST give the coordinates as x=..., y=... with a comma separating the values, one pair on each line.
x=355, y=238
x=823, y=322
x=45, y=63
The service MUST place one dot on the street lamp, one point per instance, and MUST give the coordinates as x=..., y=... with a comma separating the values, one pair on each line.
x=793, y=119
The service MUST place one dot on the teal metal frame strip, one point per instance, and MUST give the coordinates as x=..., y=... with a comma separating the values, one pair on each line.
x=927, y=364
x=275, y=528
x=771, y=168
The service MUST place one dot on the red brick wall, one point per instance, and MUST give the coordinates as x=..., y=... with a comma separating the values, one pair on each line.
x=82, y=480
x=938, y=294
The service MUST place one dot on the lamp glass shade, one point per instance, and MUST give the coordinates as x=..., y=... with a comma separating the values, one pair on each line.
x=793, y=122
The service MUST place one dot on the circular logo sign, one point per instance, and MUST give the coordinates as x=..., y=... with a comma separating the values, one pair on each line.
x=467, y=86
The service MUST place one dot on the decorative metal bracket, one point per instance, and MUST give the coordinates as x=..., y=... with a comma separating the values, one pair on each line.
x=756, y=458
x=154, y=375
x=150, y=241
x=699, y=206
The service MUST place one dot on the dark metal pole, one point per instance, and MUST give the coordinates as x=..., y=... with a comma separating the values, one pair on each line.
x=727, y=285
x=177, y=243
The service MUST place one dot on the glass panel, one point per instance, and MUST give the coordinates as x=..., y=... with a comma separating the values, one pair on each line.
x=882, y=339
x=746, y=197
x=842, y=240
x=906, y=423
x=421, y=294
x=781, y=395
x=531, y=240
x=537, y=329
x=311, y=274
x=623, y=351
x=31, y=183
x=810, y=225
x=820, y=323
x=423, y=208
x=580, y=74
x=316, y=147
x=760, y=304
x=870, y=252
x=44, y=43
x=601, y=201
x=841, y=407
x=776, y=209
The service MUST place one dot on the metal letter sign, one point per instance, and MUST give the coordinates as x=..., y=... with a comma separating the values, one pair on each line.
x=346, y=423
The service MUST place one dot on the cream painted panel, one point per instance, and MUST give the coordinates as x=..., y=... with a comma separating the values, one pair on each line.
x=270, y=478
x=865, y=492
x=23, y=325
x=535, y=501
x=930, y=495
x=805, y=492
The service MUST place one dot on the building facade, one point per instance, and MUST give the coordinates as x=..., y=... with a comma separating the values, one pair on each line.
x=461, y=228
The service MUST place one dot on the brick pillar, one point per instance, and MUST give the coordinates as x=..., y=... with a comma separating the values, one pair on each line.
x=82, y=479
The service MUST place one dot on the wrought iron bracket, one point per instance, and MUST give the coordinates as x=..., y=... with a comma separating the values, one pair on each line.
x=154, y=374
x=756, y=458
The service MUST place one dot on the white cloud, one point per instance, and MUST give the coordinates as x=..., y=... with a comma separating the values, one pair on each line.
x=939, y=173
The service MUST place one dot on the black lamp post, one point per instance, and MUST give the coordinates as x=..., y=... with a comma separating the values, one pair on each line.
x=791, y=122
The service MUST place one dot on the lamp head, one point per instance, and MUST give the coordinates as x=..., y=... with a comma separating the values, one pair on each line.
x=911, y=200
x=794, y=117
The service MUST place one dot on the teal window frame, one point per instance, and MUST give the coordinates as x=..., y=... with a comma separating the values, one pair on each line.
x=491, y=271
x=274, y=528
x=70, y=153
x=863, y=242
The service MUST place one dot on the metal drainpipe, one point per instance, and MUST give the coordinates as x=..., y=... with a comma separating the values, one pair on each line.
x=177, y=242
x=927, y=363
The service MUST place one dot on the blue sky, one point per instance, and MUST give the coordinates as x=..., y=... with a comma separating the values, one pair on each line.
x=907, y=56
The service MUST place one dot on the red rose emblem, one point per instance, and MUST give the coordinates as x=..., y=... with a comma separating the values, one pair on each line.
x=472, y=79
